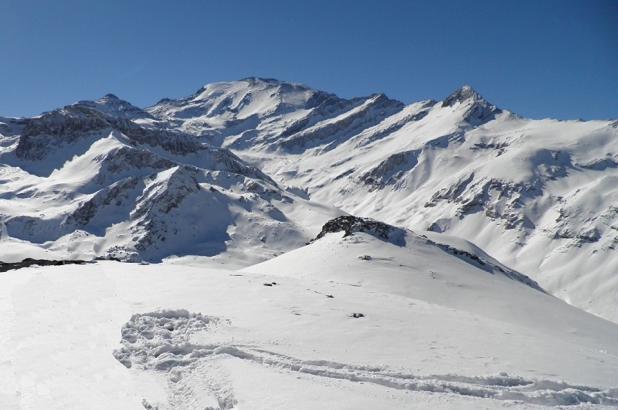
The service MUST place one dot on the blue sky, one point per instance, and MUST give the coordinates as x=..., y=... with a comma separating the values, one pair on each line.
x=538, y=58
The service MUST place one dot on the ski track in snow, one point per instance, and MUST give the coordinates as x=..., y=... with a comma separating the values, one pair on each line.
x=160, y=341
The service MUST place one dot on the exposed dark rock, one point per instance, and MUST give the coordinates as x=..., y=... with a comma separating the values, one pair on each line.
x=112, y=105
x=498, y=198
x=479, y=111
x=498, y=147
x=391, y=170
x=601, y=164
x=353, y=224
x=6, y=266
x=115, y=194
x=73, y=122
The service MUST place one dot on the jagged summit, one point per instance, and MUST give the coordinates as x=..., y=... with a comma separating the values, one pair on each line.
x=462, y=94
x=274, y=81
x=110, y=96
x=478, y=109
x=112, y=105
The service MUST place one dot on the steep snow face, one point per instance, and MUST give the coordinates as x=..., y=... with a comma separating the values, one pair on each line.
x=272, y=115
x=86, y=181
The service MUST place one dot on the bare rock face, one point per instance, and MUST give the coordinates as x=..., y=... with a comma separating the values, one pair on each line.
x=113, y=106
x=391, y=170
x=353, y=224
x=479, y=110
x=60, y=127
x=499, y=199
x=67, y=125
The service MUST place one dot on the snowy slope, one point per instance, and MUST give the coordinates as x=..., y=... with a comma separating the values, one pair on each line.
x=270, y=114
x=537, y=194
x=434, y=328
x=87, y=181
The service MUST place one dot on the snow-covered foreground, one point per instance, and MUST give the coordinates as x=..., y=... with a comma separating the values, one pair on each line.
x=434, y=329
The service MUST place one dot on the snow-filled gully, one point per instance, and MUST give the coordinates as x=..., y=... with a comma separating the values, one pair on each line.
x=161, y=341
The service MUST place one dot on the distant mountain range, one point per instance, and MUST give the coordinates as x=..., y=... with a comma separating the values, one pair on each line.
x=243, y=171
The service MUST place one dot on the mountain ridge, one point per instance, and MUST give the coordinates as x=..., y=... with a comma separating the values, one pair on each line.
x=536, y=194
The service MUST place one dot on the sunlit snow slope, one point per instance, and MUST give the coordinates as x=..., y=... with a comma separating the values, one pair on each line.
x=539, y=195
x=378, y=318
x=87, y=181
x=105, y=178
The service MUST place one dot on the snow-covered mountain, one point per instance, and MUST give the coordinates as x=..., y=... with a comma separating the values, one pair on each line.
x=437, y=294
x=538, y=195
x=87, y=181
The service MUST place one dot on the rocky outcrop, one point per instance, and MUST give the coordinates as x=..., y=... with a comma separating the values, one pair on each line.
x=391, y=170
x=115, y=107
x=53, y=130
x=499, y=199
x=350, y=225
x=28, y=262
x=478, y=109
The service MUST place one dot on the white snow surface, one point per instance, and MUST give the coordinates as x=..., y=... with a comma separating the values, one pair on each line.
x=539, y=195
x=437, y=331
x=505, y=239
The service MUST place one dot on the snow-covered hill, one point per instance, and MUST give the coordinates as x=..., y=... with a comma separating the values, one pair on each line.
x=366, y=316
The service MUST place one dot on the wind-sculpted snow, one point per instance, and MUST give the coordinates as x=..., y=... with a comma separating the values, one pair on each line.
x=332, y=132
x=487, y=265
x=164, y=341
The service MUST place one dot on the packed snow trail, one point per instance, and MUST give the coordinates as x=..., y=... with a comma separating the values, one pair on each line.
x=162, y=341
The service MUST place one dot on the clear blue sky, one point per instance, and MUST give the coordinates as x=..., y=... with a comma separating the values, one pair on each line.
x=539, y=58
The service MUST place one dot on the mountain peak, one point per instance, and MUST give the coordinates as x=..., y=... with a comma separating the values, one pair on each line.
x=462, y=94
x=110, y=104
x=110, y=96
x=254, y=79
x=477, y=110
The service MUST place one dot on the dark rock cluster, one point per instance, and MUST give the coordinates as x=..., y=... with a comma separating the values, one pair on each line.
x=353, y=224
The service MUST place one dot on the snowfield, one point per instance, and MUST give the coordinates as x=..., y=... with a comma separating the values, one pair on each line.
x=367, y=324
